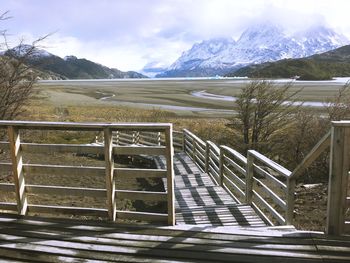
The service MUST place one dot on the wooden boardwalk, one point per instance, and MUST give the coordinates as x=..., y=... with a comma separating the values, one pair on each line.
x=35, y=239
x=199, y=201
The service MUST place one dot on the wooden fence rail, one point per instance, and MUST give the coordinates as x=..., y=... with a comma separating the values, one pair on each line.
x=132, y=132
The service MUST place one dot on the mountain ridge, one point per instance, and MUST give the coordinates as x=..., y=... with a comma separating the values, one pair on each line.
x=324, y=66
x=257, y=44
x=69, y=67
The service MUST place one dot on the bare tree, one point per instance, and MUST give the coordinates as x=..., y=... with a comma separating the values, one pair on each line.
x=264, y=112
x=338, y=107
x=16, y=76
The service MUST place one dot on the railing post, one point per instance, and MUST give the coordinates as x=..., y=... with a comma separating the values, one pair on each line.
x=159, y=139
x=221, y=167
x=249, y=178
x=290, y=201
x=194, y=149
x=184, y=140
x=110, y=185
x=17, y=170
x=117, y=137
x=207, y=157
x=338, y=180
x=170, y=174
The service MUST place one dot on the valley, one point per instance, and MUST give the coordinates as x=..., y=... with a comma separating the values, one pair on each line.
x=175, y=95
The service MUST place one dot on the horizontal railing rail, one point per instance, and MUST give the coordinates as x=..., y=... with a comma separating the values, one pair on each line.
x=20, y=170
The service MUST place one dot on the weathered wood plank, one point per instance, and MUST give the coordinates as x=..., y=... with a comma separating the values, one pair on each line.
x=7, y=187
x=138, y=150
x=8, y=206
x=267, y=206
x=62, y=148
x=278, y=168
x=17, y=169
x=60, y=190
x=85, y=126
x=110, y=173
x=141, y=195
x=338, y=179
x=67, y=210
x=143, y=216
x=63, y=170
x=139, y=173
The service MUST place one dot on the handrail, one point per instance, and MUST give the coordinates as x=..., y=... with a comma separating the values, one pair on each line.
x=319, y=148
x=108, y=171
x=85, y=125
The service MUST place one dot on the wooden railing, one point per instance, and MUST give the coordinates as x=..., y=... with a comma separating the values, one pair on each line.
x=269, y=187
x=256, y=180
x=20, y=169
x=147, y=138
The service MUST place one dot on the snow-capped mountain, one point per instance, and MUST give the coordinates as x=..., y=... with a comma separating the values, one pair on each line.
x=259, y=43
x=29, y=50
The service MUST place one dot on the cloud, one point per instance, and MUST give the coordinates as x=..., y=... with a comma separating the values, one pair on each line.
x=129, y=34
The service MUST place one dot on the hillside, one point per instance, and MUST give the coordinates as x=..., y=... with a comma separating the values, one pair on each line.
x=70, y=67
x=334, y=63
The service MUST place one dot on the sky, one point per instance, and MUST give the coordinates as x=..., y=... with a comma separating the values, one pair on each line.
x=129, y=34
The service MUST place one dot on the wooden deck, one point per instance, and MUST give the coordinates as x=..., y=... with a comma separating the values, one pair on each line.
x=199, y=201
x=34, y=239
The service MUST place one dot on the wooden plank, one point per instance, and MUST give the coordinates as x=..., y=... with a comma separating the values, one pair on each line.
x=62, y=148
x=4, y=187
x=229, y=151
x=196, y=138
x=262, y=214
x=63, y=170
x=60, y=190
x=110, y=173
x=141, y=195
x=338, y=179
x=221, y=168
x=228, y=182
x=277, y=200
x=143, y=216
x=228, y=173
x=170, y=176
x=214, y=156
x=67, y=210
x=249, y=178
x=138, y=150
x=44, y=125
x=8, y=206
x=266, y=205
x=290, y=200
x=236, y=166
x=278, y=168
x=214, y=148
x=139, y=173
x=271, y=178
x=17, y=170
